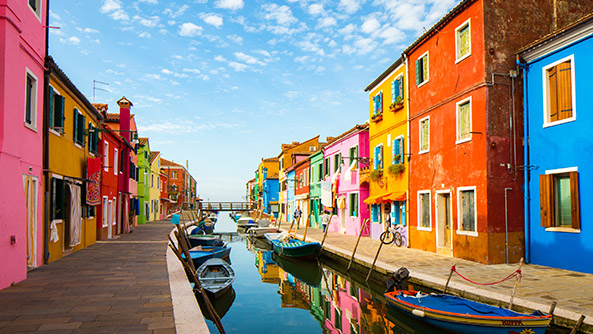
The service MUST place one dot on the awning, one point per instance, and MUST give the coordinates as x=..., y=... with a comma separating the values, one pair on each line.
x=386, y=197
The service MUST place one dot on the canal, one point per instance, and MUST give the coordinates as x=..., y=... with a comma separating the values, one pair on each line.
x=273, y=294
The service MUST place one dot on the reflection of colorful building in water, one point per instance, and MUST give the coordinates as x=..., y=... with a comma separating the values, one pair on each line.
x=268, y=270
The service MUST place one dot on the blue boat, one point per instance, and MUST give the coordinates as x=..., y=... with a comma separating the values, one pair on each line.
x=200, y=254
x=205, y=240
x=460, y=315
x=294, y=248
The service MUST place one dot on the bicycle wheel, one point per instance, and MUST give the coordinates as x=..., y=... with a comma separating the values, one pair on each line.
x=386, y=237
x=398, y=239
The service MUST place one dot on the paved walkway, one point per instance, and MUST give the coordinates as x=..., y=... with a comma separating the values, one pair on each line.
x=539, y=287
x=116, y=286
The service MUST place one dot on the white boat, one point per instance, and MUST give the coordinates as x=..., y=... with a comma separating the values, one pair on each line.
x=259, y=232
x=216, y=276
x=243, y=221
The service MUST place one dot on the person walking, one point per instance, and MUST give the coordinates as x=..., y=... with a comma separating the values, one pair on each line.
x=297, y=214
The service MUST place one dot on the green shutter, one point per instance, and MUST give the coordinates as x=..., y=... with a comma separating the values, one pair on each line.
x=60, y=117
x=75, y=132
x=82, y=128
x=51, y=106
x=418, y=71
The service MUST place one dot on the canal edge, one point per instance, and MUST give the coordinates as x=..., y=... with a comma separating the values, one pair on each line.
x=186, y=312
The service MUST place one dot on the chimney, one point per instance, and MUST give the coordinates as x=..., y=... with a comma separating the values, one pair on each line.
x=124, y=117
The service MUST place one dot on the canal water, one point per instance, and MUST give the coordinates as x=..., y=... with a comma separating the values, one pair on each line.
x=271, y=294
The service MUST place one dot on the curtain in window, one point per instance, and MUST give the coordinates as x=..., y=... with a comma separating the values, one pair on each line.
x=463, y=119
x=467, y=210
x=424, y=126
x=463, y=42
x=75, y=215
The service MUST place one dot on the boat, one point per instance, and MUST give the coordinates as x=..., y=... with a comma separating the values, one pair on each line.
x=293, y=248
x=216, y=276
x=204, y=227
x=460, y=315
x=205, y=240
x=308, y=272
x=200, y=254
x=259, y=232
x=245, y=220
x=221, y=303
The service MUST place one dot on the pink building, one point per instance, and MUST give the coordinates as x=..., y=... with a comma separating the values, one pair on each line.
x=342, y=163
x=22, y=50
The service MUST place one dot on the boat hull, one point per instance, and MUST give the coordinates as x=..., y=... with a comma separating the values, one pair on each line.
x=296, y=249
x=485, y=322
x=208, y=252
x=216, y=276
x=205, y=241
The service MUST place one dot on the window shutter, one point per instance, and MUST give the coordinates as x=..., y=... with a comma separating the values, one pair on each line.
x=574, y=199
x=393, y=84
x=401, y=86
x=376, y=162
x=401, y=150
x=51, y=106
x=82, y=128
x=374, y=213
x=374, y=105
x=75, y=134
x=418, y=71
x=546, y=200
x=425, y=68
x=62, y=115
x=381, y=102
x=564, y=90
x=380, y=156
x=397, y=88
x=394, y=213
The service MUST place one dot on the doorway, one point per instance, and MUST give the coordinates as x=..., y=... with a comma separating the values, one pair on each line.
x=443, y=223
x=30, y=184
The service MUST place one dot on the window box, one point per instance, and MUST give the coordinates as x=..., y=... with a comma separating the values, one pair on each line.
x=395, y=106
x=396, y=169
x=377, y=117
x=376, y=175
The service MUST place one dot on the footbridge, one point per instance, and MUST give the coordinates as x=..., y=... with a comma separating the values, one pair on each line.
x=226, y=206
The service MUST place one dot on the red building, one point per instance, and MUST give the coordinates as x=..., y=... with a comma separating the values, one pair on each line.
x=165, y=202
x=110, y=149
x=302, y=181
x=181, y=186
x=466, y=127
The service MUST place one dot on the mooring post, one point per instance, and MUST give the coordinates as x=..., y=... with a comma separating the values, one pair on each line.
x=578, y=325
x=326, y=229
x=448, y=279
x=356, y=246
x=375, y=260
x=306, y=226
x=552, y=307
x=516, y=283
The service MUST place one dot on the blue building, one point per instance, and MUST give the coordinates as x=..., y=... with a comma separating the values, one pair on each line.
x=290, y=204
x=270, y=188
x=558, y=115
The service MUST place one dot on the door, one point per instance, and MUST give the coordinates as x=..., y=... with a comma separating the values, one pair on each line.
x=444, y=219
x=30, y=184
x=110, y=214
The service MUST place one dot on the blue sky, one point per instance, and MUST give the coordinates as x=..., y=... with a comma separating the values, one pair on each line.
x=223, y=83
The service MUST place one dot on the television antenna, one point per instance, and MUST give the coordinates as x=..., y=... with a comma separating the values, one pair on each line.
x=99, y=88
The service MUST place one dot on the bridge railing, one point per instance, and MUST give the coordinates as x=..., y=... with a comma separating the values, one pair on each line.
x=226, y=206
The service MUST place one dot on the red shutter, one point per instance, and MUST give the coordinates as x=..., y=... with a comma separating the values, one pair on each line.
x=546, y=203
x=574, y=200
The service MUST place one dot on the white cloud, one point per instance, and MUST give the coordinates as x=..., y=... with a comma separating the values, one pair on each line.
x=144, y=34
x=166, y=71
x=303, y=59
x=119, y=15
x=236, y=39
x=238, y=66
x=326, y=22
x=152, y=2
x=392, y=35
x=316, y=9
x=370, y=25
x=114, y=9
x=176, y=13
x=191, y=70
x=220, y=58
x=88, y=30
x=74, y=40
x=247, y=58
x=365, y=45
x=351, y=6
x=212, y=19
x=189, y=29
x=153, y=76
x=147, y=22
x=281, y=14
x=229, y=4
x=347, y=30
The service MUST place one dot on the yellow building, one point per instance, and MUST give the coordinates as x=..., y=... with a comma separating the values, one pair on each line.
x=291, y=154
x=72, y=151
x=266, y=199
x=388, y=142
x=154, y=183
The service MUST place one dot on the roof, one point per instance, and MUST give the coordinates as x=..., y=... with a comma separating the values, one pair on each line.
x=112, y=117
x=547, y=39
x=167, y=163
x=274, y=159
x=153, y=155
x=142, y=140
x=383, y=75
x=359, y=127
x=55, y=69
x=434, y=29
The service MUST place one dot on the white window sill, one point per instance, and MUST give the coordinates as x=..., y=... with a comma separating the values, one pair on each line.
x=78, y=145
x=426, y=229
x=30, y=127
x=468, y=233
x=461, y=141
x=563, y=229
x=462, y=58
x=422, y=83
x=562, y=121
x=55, y=132
x=57, y=221
x=423, y=152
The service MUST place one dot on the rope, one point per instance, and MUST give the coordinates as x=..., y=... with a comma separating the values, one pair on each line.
x=513, y=274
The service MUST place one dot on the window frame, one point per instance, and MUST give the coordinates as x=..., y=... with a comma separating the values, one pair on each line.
x=399, y=78
x=106, y=156
x=56, y=130
x=457, y=39
x=419, y=226
x=378, y=106
x=420, y=151
x=33, y=99
x=420, y=84
x=350, y=196
x=546, y=92
x=377, y=165
x=115, y=161
x=78, y=133
x=401, y=147
x=459, y=212
x=551, y=173
x=37, y=11
x=457, y=130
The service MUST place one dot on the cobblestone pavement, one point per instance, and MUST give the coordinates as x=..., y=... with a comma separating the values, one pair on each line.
x=115, y=286
x=538, y=288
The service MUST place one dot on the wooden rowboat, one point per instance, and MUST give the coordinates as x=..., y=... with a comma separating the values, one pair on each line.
x=294, y=248
x=460, y=315
x=200, y=254
x=216, y=276
x=205, y=240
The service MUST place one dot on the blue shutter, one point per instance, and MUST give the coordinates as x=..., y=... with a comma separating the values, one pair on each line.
x=381, y=102
x=393, y=90
x=396, y=89
x=394, y=151
x=401, y=86
x=60, y=115
x=51, y=106
x=374, y=213
x=401, y=149
x=395, y=213
x=381, y=156
x=376, y=157
x=403, y=208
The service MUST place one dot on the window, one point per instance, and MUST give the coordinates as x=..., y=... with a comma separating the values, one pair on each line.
x=397, y=89
x=559, y=199
x=174, y=174
x=105, y=212
x=422, y=69
x=337, y=162
x=463, y=41
x=464, y=120
x=353, y=155
x=115, y=160
x=93, y=139
x=152, y=180
x=424, y=223
x=31, y=101
x=79, y=122
x=353, y=201
x=466, y=207
x=106, y=156
x=326, y=167
x=58, y=193
x=56, y=110
x=378, y=104
x=378, y=161
x=559, y=92
x=424, y=135
x=397, y=150
x=35, y=6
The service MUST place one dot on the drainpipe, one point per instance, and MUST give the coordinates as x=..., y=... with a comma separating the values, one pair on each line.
x=527, y=196
x=506, y=225
x=45, y=134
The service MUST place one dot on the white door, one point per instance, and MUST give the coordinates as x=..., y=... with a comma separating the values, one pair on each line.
x=109, y=219
x=30, y=184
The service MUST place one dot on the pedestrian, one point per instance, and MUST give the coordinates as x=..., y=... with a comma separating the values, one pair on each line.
x=297, y=214
x=324, y=220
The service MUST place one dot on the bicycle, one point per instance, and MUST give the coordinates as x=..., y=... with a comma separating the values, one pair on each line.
x=394, y=234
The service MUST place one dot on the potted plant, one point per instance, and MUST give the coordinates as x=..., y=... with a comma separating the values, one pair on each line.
x=397, y=104
x=396, y=169
x=377, y=117
x=376, y=175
